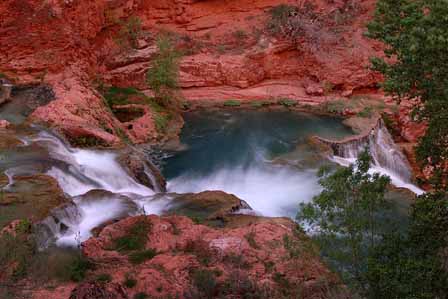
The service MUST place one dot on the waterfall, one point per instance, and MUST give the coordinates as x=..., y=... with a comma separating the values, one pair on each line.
x=386, y=155
x=100, y=187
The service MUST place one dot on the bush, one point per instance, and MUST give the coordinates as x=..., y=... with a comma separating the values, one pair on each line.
x=139, y=257
x=287, y=102
x=141, y=295
x=104, y=277
x=366, y=112
x=260, y=104
x=130, y=32
x=163, y=74
x=200, y=249
x=135, y=238
x=250, y=237
x=205, y=283
x=79, y=267
x=129, y=282
x=232, y=103
x=279, y=17
x=161, y=122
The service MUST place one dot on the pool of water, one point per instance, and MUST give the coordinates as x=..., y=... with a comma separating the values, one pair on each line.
x=248, y=153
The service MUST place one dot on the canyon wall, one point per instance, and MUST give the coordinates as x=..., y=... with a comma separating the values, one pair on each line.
x=229, y=53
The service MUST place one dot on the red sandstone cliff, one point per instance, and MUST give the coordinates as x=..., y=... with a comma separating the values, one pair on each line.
x=72, y=44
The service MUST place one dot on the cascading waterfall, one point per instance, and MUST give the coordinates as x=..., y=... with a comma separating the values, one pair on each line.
x=80, y=172
x=387, y=157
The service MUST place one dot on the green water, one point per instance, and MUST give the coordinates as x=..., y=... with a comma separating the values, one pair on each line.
x=235, y=151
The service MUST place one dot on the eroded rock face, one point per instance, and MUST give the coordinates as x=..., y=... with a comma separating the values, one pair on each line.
x=230, y=55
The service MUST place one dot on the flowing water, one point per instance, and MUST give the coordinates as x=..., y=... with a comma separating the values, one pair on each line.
x=264, y=158
x=236, y=152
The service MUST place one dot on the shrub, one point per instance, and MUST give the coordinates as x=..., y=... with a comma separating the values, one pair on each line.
x=163, y=74
x=135, y=238
x=260, y=104
x=141, y=295
x=130, y=282
x=287, y=102
x=366, y=112
x=205, y=282
x=200, y=249
x=232, y=103
x=79, y=267
x=130, y=32
x=104, y=277
x=139, y=257
x=250, y=237
x=336, y=106
x=161, y=122
x=279, y=17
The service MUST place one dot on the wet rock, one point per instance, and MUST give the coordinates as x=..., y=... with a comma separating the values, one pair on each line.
x=30, y=197
x=206, y=206
x=96, y=290
x=139, y=166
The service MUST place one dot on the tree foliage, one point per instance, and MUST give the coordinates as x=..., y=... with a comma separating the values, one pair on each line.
x=415, y=33
x=344, y=213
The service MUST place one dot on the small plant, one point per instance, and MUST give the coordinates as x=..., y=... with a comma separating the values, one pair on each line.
x=336, y=106
x=205, y=282
x=163, y=74
x=161, y=122
x=260, y=104
x=232, y=103
x=129, y=282
x=287, y=102
x=366, y=112
x=237, y=260
x=130, y=32
x=328, y=87
x=104, y=277
x=141, y=295
x=250, y=237
x=135, y=238
x=201, y=250
x=279, y=17
x=139, y=257
x=79, y=267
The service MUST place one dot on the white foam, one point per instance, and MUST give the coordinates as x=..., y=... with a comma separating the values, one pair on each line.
x=269, y=189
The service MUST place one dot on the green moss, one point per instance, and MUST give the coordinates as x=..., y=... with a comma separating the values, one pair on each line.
x=366, y=112
x=250, y=237
x=232, y=103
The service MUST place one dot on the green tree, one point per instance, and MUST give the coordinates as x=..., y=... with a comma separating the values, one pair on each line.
x=415, y=66
x=412, y=265
x=343, y=215
x=163, y=74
